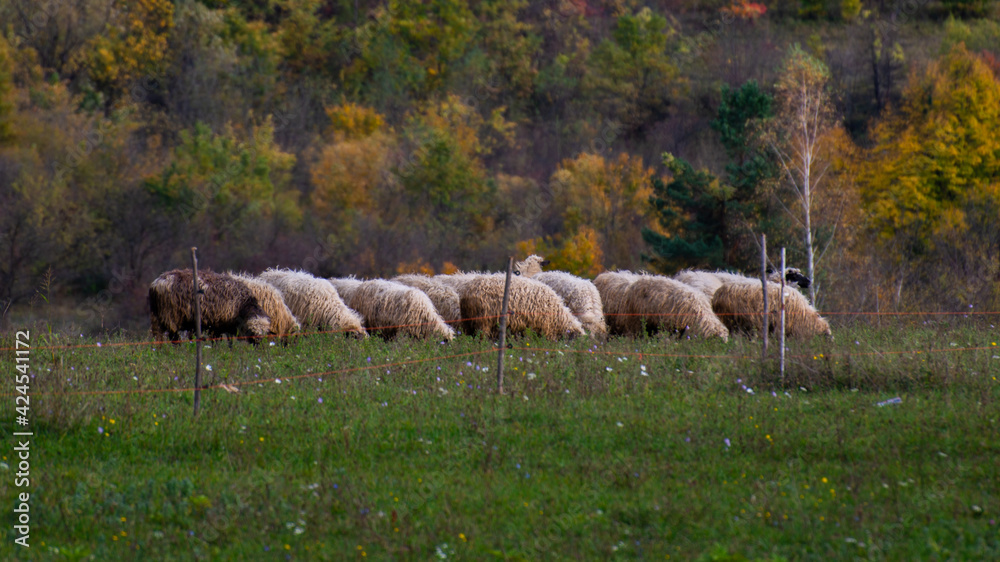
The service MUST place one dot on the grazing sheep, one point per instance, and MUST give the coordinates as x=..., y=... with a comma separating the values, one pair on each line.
x=393, y=308
x=661, y=303
x=345, y=286
x=531, y=266
x=283, y=322
x=532, y=305
x=612, y=286
x=740, y=307
x=709, y=281
x=228, y=306
x=580, y=296
x=456, y=280
x=314, y=301
x=444, y=297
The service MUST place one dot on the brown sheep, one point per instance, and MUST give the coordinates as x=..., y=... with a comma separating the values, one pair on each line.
x=228, y=307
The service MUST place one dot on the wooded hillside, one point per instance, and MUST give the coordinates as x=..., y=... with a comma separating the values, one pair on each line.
x=371, y=137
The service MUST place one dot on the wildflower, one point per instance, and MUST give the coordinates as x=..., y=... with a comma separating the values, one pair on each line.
x=320, y=400
x=726, y=441
x=100, y=429
x=208, y=367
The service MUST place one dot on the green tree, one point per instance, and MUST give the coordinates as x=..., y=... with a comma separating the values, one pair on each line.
x=406, y=51
x=133, y=46
x=711, y=222
x=750, y=171
x=689, y=208
x=234, y=192
x=510, y=43
x=631, y=75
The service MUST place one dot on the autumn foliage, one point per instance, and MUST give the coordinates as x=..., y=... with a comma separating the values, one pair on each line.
x=382, y=136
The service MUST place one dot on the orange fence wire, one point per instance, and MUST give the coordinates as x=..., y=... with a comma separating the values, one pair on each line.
x=399, y=326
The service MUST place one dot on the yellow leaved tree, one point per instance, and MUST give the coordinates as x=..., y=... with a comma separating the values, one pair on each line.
x=610, y=197
x=347, y=172
x=931, y=182
x=579, y=254
x=133, y=47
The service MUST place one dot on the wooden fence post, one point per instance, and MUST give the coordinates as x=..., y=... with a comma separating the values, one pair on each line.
x=503, y=325
x=197, y=331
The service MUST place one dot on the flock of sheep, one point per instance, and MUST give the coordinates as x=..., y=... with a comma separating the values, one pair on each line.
x=554, y=304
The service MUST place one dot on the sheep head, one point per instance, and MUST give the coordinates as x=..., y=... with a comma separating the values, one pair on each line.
x=531, y=266
x=792, y=276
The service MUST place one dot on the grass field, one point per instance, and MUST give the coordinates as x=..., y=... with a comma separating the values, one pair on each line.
x=631, y=449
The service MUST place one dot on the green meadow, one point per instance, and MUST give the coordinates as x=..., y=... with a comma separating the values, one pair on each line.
x=661, y=448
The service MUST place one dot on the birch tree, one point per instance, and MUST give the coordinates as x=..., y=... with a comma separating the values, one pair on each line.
x=803, y=117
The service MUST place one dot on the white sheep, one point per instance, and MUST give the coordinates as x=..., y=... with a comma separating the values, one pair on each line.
x=283, y=322
x=530, y=266
x=314, y=301
x=393, y=308
x=612, y=286
x=533, y=305
x=345, y=286
x=444, y=297
x=578, y=294
x=709, y=281
x=660, y=303
x=740, y=306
